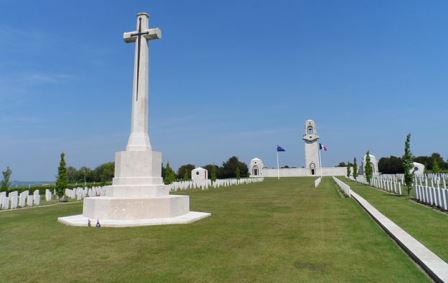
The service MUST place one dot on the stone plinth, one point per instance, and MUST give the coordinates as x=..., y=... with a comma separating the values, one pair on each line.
x=135, y=199
x=135, y=208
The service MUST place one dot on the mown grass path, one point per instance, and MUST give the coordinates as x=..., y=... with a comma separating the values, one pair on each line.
x=282, y=231
x=427, y=225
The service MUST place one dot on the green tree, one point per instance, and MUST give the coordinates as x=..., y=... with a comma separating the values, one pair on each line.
x=391, y=165
x=104, y=173
x=237, y=173
x=214, y=173
x=435, y=166
x=436, y=157
x=368, y=170
x=72, y=175
x=348, y=170
x=170, y=175
x=86, y=175
x=184, y=171
x=6, y=179
x=62, y=180
x=407, y=164
x=229, y=168
x=355, y=168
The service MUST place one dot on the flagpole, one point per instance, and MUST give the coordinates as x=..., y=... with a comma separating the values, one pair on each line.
x=320, y=159
x=278, y=167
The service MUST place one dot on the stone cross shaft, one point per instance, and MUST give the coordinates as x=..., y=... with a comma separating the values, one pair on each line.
x=139, y=138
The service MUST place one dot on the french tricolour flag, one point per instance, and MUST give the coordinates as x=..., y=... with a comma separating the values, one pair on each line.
x=324, y=147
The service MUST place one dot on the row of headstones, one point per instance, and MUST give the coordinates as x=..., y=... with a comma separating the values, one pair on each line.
x=431, y=195
x=384, y=183
x=206, y=184
x=81, y=193
x=392, y=177
x=343, y=186
x=14, y=200
x=433, y=180
x=387, y=184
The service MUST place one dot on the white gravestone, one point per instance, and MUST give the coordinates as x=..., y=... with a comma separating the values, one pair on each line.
x=2, y=196
x=13, y=199
x=137, y=195
x=48, y=195
x=29, y=200
x=22, y=198
x=5, y=203
x=36, y=197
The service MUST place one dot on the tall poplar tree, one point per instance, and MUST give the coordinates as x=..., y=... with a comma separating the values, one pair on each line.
x=355, y=168
x=368, y=168
x=348, y=170
x=408, y=165
x=62, y=180
x=214, y=173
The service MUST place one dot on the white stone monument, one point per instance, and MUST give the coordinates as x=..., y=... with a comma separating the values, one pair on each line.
x=373, y=163
x=199, y=174
x=137, y=196
x=256, y=167
x=312, y=160
x=418, y=168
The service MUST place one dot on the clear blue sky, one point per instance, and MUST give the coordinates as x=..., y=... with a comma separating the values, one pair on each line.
x=228, y=78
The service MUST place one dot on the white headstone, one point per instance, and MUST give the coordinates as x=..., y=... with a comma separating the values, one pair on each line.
x=2, y=196
x=29, y=200
x=13, y=199
x=36, y=197
x=22, y=198
x=48, y=195
x=5, y=203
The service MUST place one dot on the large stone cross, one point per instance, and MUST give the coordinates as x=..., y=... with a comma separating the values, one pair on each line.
x=139, y=138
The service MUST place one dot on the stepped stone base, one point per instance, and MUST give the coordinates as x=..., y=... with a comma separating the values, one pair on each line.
x=126, y=208
x=137, y=197
x=82, y=221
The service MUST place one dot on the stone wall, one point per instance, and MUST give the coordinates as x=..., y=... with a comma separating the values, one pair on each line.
x=303, y=172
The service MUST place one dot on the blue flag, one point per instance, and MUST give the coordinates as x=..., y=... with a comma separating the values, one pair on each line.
x=279, y=148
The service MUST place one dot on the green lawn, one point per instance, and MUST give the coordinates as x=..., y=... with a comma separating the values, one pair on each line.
x=283, y=231
x=427, y=225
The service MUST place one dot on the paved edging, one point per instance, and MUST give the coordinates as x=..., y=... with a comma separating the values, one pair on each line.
x=436, y=267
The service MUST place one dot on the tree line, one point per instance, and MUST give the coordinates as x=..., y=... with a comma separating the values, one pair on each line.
x=232, y=168
x=394, y=165
x=100, y=174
